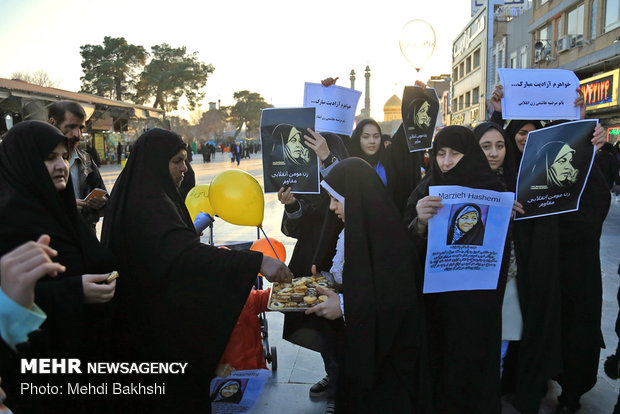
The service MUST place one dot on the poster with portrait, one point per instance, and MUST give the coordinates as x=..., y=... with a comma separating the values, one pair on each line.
x=420, y=110
x=287, y=161
x=539, y=93
x=335, y=107
x=238, y=392
x=466, y=239
x=554, y=169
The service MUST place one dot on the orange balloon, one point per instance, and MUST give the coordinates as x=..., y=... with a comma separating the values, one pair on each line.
x=262, y=245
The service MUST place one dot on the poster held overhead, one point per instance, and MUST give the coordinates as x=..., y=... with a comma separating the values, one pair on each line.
x=287, y=161
x=466, y=239
x=555, y=167
x=335, y=107
x=539, y=93
x=420, y=109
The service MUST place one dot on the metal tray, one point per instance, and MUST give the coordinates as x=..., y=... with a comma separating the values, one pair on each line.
x=275, y=290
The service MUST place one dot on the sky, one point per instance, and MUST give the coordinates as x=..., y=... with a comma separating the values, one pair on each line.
x=271, y=47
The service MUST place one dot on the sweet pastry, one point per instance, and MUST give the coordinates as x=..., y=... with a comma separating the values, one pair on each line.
x=310, y=300
x=286, y=290
x=283, y=297
x=290, y=305
x=324, y=285
x=322, y=298
x=277, y=305
x=297, y=297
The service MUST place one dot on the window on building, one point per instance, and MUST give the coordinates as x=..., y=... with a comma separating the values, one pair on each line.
x=454, y=105
x=467, y=99
x=468, y=64
x=460, y=102
x=523, y=57
x=575, y=21
x=475, y=96
x=455, y=74
x=476, y=56
x=593, y=12
x=462, y=69
x=542, y=2
x=612, y=15
x=544, y=34
x=513, y=60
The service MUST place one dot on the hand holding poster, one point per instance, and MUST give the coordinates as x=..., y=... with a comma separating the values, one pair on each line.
x=238, y=392
x=335, y=107
x=420, y=109
x=287, y=161
x=555, y=167
x=539, y=93
x=466, y=239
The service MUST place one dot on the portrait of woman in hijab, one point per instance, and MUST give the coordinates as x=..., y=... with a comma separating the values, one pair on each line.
x=556, y=158
x=229, y=392
x=466, y=226
x=292, y=144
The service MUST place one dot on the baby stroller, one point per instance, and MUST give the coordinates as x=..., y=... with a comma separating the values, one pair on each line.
x=269, y=353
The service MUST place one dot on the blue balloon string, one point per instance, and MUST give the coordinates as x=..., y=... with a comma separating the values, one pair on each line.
x=268, y=241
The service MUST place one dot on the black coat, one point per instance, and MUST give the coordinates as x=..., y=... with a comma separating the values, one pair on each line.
x=177, y=299
x=29, y=207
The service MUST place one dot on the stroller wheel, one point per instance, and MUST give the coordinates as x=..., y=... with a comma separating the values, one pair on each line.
x=274, y=358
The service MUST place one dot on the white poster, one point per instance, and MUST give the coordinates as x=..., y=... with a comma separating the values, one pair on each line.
x=539, y=94
x=238, y=392
x=335, y=107
x=466, y=239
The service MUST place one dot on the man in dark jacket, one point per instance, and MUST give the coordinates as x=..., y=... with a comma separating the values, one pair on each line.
x=69, y=117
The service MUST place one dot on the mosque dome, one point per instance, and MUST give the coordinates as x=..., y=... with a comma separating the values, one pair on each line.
x=391, y=109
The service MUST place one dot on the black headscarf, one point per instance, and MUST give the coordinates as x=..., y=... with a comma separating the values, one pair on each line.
x=382, y=279
x=507, y=172
x=30, y=205
x=356, y=148
x=471, y=171
x=511, y=130
x=178, y=299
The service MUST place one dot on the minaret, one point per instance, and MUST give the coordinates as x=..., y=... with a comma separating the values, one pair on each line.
x=352, y=79
x=366, y=110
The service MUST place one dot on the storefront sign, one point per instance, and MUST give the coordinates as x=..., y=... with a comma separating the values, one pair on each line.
x=601, y=91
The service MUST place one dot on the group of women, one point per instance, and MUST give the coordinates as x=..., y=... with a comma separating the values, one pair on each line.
x=176, y=299
x=451, y=352
x=386, y=346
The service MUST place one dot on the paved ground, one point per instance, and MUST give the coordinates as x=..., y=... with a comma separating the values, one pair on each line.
x=298, y=368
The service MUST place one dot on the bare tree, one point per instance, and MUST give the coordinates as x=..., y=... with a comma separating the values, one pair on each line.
x=39, y=77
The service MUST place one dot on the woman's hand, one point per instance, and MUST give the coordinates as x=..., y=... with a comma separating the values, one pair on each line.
x=427, y=207
x=285, y=196
x=330, y=309
x=224, y=370
x=275, y=271
x=599, y=137
x=517, y=208
x=21, y=268
x=329, y=82
x=581, y=103
x=318, y=144
x=496, y=98
x=96, y=290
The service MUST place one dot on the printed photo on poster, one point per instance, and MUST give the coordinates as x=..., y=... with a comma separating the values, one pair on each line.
x=238, y=392
x=467, y=224
x=554, y=169
x=420, y=109
x=466, y=239
x=287, y=162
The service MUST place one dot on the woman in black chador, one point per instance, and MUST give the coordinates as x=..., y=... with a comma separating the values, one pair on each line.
x=178, y=299
x=464, y=326
x=383, y=352
x=466, y=226
x=36, y=197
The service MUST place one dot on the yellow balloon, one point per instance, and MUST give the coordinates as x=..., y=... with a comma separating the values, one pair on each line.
x=197, y=201
x=238, y=198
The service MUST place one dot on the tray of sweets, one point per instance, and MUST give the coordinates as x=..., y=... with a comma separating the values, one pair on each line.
x=299, y=295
